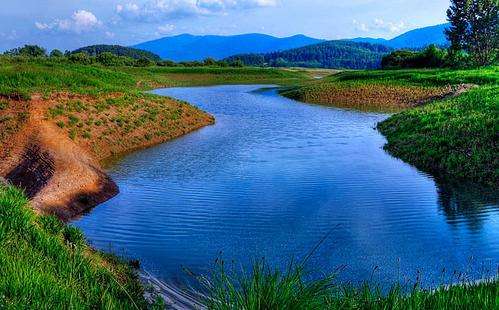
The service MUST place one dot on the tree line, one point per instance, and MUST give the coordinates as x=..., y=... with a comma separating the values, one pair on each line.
x=111, y=55
x=331, y=54
x=473, y=35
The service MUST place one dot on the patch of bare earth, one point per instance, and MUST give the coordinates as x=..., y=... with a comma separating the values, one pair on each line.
x=379, y=96
x=52, y=147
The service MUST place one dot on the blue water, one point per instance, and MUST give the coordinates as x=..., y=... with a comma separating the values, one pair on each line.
x=271, y=178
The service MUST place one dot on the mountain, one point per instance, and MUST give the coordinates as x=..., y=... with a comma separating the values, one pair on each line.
x=331, y=54
x=417, y=38
x=188, y=47
x=95, y=50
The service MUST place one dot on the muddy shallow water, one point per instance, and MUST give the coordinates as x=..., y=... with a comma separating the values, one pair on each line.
x=271, y=178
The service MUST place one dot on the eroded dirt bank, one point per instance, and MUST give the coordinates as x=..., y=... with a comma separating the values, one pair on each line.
x=52, y=146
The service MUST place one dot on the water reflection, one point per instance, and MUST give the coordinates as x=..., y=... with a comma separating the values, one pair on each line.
x=469, y=204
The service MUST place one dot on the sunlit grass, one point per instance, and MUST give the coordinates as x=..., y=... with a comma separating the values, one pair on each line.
x=267, y=288
x=453, y=139
x=45, y=264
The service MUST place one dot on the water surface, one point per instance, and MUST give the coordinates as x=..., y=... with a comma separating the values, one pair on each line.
x=271, y=178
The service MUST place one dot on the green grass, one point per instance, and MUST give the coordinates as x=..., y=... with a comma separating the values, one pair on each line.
x=23, y=77
x=45, y=264
x=421, y=77
x=453, y=139
x=265, y=288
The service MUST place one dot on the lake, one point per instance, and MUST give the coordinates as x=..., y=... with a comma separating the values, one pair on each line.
x=272, y=178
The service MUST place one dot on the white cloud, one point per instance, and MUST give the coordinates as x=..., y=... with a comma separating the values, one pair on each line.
x=165, y=29
x=158, y=10
x=389, y=26
x=81, y=21
x=379, y=24
x=360, y=26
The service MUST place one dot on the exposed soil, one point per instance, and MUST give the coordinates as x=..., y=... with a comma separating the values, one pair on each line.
x=56, y=160
x=376, y=96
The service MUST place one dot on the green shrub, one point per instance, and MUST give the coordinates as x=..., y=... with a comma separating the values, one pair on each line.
x=80, y=58
x=431, y=57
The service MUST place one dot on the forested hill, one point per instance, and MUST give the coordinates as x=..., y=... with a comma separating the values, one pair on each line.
x=95, y=50
x=331, y=54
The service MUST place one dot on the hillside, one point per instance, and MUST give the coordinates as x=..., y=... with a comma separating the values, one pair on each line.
x=331, y=54
x=95, y=50
x=188, y=47
x=417, y=38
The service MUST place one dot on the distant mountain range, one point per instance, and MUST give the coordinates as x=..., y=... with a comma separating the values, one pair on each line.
x=188, y=47
x=416, y=38
x=331, y=54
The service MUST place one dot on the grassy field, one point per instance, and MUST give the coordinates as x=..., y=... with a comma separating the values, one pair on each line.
x=45, y=264
x=105, y=109
x=449, y=137
x=264, y=288
x=22, y=77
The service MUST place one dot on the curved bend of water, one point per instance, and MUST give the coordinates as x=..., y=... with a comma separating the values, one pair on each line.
x=271, y=178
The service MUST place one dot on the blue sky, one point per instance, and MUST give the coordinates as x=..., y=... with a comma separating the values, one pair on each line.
x=68, y=24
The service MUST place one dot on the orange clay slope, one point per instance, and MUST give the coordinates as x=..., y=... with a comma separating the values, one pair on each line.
x=52, y=146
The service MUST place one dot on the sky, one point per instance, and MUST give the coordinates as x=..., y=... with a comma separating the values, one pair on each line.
x=69, y=24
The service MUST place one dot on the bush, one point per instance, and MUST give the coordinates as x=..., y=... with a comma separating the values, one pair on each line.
x=56, y=53
x=80, y=58
x=28, y=51
x=430, y=57
x=143, y=62
x=109, y=59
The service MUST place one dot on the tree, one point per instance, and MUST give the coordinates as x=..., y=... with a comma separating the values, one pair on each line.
x=484, y=32
x=474, y=29
x=108, y=59
x=209, y=62
x=80, y=58
x=28, y=51
x=33, y=51
x=457, y=33
x=56, y=53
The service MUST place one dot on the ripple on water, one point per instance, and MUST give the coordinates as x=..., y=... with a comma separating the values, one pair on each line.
x=271, y=178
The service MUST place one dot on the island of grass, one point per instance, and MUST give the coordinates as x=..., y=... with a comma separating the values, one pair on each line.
x=450, y=124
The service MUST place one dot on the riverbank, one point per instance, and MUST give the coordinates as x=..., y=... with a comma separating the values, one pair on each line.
x=450, y=126
x=59, y=121
x=46, y=264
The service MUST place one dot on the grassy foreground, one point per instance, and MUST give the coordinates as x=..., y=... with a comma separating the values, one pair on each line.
x=45, y=264
x=265, y=288
x=446, y=133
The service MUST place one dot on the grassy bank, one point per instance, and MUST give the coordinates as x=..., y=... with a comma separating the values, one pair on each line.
x=265, y=288
x=23, y=77
x=105, y=109
x=446, y=133
x=45, y=264
x=63, y=109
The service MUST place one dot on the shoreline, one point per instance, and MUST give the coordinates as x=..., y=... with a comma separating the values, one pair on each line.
x=63, y=175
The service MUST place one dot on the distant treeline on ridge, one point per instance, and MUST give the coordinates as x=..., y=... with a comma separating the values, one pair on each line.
x=118, y=50
x=331, y=54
